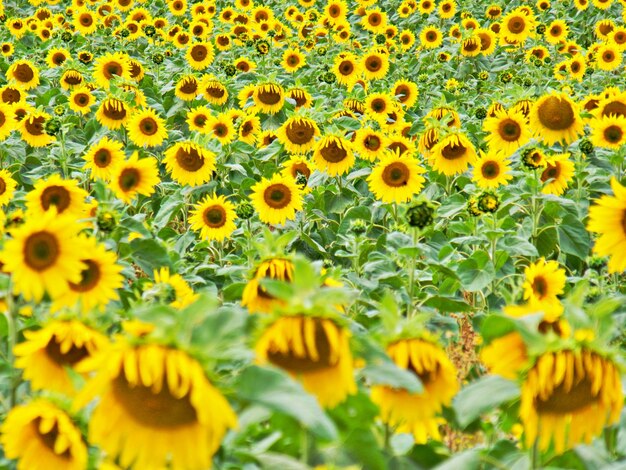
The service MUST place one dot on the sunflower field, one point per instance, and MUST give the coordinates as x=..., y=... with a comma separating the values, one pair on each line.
x=312, y=234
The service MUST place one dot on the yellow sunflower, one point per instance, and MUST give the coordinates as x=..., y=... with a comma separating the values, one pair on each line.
x=23, y=74
x=214, y=217
x=7, y=187
x=608, y=57
x=555, y=117
x=165, y=410
x=99, y=281
x=374, y=65
x=200, y=55
x=517, y=26
x=347, y=69
x=544, y=281
x=302, y=97
x=197, y=118
x=491, y=170
x=177, y=291
x=557, y=174
x=396, y=178
x=57, y=57
x=333, y=155
x=103, y=156
x=607, y=218
x=221, y=127
x=276, y=199
x=134, y=176
x=293, y=60
x=268, y=98
x=32, y=129
x=81, y=100
x=214, y=91
x=8, y=123
x=41, y=256
x=187, y=88
x=608, y=132
x=568, y=397
x=314, y=350
x=189, y=163
x=431, y=37
x=65, y=196
x=297, y=134
x=417, y=413
x=369, y=144
x=255, y=297
x=85, y=22
x=453, y=154
x=109, y=66
x=45, y=354
x=249, y=129
x=507, y=131
x=505, y=356
x=112, y=113
x=41, y=435
x=146, y=128
x=406, y=92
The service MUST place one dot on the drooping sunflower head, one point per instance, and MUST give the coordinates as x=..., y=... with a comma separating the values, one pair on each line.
x=23, y=74
x=71, y=79
x=113, y=113
x=255, y=297
x=214, y=91
x=453, y=154
x=301, y=96
x=298, y=134
x=333, y=154
x=269, y=98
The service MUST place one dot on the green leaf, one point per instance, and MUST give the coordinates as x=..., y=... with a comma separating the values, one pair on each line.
x=574, y=237
x=496, y=326
x=387, y=373
x=476, y=272
x=447, y=304
x=468, y=460
x=279, y=392
x=172, y=204
x=482, y=396
x=149, y=255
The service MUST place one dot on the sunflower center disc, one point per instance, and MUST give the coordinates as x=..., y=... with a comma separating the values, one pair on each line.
x=277, y=196
x=300, y=133
x=561, y=401
x=89, y=277
x=148, y=126
x=189, y=160
x=49, y=438
x=70, y=357
x=56, y=196
x=215, y=216
x=395, y=175
x=556, y=114
x=129, y=179
x=41, y=250
x=490, y=170
x=333, y=153
x=24, y=73
x=509, y=130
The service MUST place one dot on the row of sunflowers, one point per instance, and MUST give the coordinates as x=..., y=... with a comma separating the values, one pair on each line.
x=330, y=234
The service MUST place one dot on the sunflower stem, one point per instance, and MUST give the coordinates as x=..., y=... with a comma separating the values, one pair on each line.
x=304, y=446
x=610, y=440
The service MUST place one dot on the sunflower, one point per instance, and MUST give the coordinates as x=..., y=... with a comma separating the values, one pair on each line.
x=81, y=100
x=507, y=131
x=347, y=69
x=7, y=187
x=396, y=178
x=71, y=79
x=452, y=154
x=471, y=46
x=41, y=435
x=134, y=176
x=333, y=155
x=177, y=7
x=416, y=413
x=374, y=65
x=608, y=57
x=293, y=60
x=214, y=217
x=249, y=129
x=244, y=65
x=555, y=117
x=297, y=134
x=370, y=144
x=197, y=119
x=8, y=122
x=164, y=408
x=558, y=173
x=189, y=163
x=99, y=280
x=109, y=66
x=200, y=55
x=374, y=21
x=187, y=88
x=488, y=41
x=41, y=256
x=297, y=167
x=65, y=196
x=85, y=22
x=103, y=156
x=505, y=356
x=7, y=49
x=12, y=95
x=491, y=170
x=276, y=199
x=446, y=9
x=556, y=32
x=609, y=132
x=268, y=98
x=606, y=217
x=32, y=129
x=177, y=291
x=544, y=281
x=46, y=353
x=517, y=26
x=313, y=349
x=57, y=57
x=568, y=396
x=255, y=297
x=112, y=113
x=23, y=74
x=146, y=129
x=214, y=91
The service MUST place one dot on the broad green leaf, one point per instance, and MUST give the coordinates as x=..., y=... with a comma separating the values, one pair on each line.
x=574, y=238
x=476, y=272
x=482, y=396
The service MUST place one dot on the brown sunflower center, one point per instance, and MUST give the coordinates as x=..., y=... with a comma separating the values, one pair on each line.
x=269, y=95
x=214, y=216
x=41, y=250
x=404, y=93
x=509, y=130
x=346, y=67
x=490, y=170
x=199, y=52
x=114, y=110
x=470, y=45
x=277, y=196
x=333, y=152
x=49, y=438
x=102, y=158
x=112, y=68
x=70, y=357
x=3, y=119
x=372, y=142
x=614, y=107
x=516, y=25
x=300, y=132
x=608, y=56
x=396, y=174
x=189, y=160
x=540, y=286
x=89, y=277
x=34, y=126
x=73, y=79
x=3, y=186
x=300, y=169
x=57, y=196
x=129, y=179
x=215, y=90
x=556, y=114
x=58, y=58
x=155, y=410
x=563, y=401
x=613, y=134
x=86, y=19
x=551, y=172
x=293, y=60
x=23, y=73
x=453, y=151
x=220, y=129
x=374, y=19
x=378, y=105
x=334, y=11
x=373, y=64
x=302, y=363
x=11, y=95
x=148, y=126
